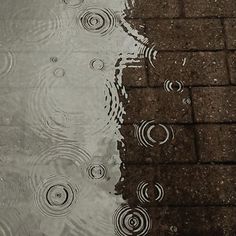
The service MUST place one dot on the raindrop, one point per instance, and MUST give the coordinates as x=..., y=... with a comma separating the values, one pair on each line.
x=176, y=86
x=169, y=133
x=186, y=101
x=143, y=133
x=59, y=72
x=98, y=21
x=173, y=229
x=143, y=192
x=56, y=196
x=54, y=59
x=97, y=171
x=131, y=221
x=96, y=64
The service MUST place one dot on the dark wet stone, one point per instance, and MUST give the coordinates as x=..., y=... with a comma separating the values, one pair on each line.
x=208, y=8
x=195, y=221
x=192, y=68
x=180, y=148
x=216, y=142
x=148, y=104
x=197, y=34
x=230, y=28
x=232, y=67
x=155, y=8
x=214, y=104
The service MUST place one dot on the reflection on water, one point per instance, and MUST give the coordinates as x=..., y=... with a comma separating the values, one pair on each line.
x=62, y=63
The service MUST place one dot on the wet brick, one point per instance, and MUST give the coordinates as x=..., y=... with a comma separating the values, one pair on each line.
x=148, y=104
x=208, y=8
x=155, y=8
x=185, y=34
x=195, y=221
x=230, y=28
x=216, y=104
x=192, y=68
x=135, y=76
x=197, y=185
x=216, y=142
x=179, y=148
x=232, y=67
x=183, y=185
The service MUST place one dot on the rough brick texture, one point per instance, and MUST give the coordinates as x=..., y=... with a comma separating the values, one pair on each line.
x=179, y=148
x=192, y=68
x=230, y=29
x=148, y=104
x=217, y=142
x=155, y=8
x=208, y=8
x=214, y=104
x=185, y=34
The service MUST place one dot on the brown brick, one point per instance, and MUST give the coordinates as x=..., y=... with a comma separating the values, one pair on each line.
x=202, y=8
x=154, y=8
x=195, y=221
x=230, y=28
x=179, y=148
x=185, y=34
x=217, y=142
x=132, y=177
x=198, y=68
x=214, y=104
x=148, y=104
x=134, y=75
x=197, y=185
x=232, y=67
x=183, y=185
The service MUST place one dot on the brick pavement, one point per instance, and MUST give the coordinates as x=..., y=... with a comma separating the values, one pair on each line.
x=196, y=43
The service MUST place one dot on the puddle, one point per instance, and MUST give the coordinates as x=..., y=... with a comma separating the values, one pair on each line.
x=63, y=63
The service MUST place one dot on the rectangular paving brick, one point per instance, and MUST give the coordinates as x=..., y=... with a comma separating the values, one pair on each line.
x=182, y=185
x=216, y=104
x=185, y=34
x=216, y=142
x=134, y=75
x=230, y=29
x=154, y=8
x=232, y=66
x=196, y=221
x=164, y=107
x=197, y=185
x=179, y=145
x=203, y=8
x=192, y=68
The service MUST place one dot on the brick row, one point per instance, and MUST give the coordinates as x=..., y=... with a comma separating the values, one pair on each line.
x=183, y=185
x=196, y=221
x=185, y=34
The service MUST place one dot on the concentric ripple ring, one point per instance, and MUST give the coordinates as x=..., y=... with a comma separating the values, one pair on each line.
x=98, y=21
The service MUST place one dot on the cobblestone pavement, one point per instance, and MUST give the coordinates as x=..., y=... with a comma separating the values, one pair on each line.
x=196, y=43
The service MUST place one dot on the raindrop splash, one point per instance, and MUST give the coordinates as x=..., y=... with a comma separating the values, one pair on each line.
x=143, y=133
x=143, y=192
x=176, y=86
x=56, y=196
x=169, y=132
x=131, y=221
x=98, y=21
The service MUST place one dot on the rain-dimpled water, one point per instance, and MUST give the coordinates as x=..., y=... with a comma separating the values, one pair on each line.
x=63, y=105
